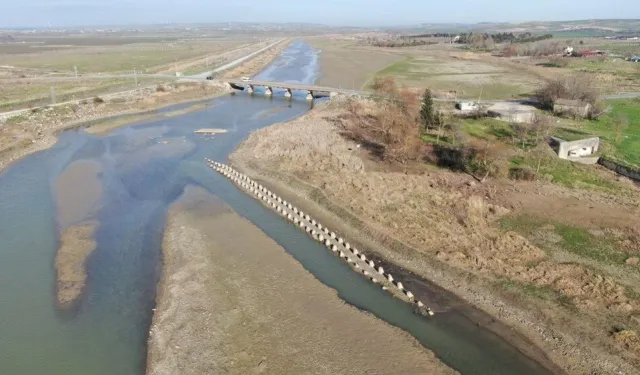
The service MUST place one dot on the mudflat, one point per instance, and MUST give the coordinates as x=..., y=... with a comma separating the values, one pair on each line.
x=231, y=300
x=77, y=192
x=76, y=244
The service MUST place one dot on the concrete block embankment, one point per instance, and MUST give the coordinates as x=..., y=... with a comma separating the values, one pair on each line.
x=321, y=233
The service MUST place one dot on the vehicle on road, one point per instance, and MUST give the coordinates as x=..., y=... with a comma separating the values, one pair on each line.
x=209, y=77
x=245, y=79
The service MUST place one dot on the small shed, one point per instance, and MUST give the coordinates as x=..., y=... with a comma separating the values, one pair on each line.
x=512, y=112
x=467, y=106
x=575, y=149
x=571, y=107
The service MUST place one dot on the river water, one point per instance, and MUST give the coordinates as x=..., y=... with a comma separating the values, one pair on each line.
x=145, y=168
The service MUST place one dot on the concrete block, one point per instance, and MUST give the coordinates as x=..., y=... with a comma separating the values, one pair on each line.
x=409, y=294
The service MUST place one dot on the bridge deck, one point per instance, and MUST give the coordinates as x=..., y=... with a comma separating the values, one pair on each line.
x=295, y=86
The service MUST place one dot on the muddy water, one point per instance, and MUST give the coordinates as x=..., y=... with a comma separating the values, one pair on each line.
x=144, y=168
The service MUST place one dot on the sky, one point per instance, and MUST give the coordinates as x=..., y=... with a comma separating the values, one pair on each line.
x=60, y=13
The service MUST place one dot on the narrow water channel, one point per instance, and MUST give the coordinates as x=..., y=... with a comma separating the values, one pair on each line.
x=145, y=168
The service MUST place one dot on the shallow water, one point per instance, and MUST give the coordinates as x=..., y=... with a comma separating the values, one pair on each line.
x=142, y=175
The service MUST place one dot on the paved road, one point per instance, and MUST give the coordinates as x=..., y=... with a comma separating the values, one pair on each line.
x=235, y=62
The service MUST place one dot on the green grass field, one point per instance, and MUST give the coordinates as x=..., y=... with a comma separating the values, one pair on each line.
x=143, y=57
x=625, y=145
x=628, y=146
x=551, y=236
x=469, y=78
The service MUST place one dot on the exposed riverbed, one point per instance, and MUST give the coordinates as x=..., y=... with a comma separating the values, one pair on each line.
x=143, y=169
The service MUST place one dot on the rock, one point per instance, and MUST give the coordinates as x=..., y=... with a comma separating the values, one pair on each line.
x=633, y=261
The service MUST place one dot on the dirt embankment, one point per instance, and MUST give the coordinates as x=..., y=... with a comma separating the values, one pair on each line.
x=77, y=193
x=443, y=226
x=233, y=301
x=257, y=63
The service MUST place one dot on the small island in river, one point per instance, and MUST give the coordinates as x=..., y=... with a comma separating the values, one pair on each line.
x=77, y=192
x=76, y=244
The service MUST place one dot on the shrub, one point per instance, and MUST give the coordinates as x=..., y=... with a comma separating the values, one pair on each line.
x=98, y=100
x=160, y=88
x=388, y=129
x=522, y=174
x=558, y=62
x=576, y=87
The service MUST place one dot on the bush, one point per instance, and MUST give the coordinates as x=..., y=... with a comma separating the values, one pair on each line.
x=388, y=129
x=522, y=174
x=98, y=100
x=558, y=62
x=160, y=88
x=454, y=159
x=576, y=87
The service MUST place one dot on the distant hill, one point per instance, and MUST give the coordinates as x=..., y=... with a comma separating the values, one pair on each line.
x=584, y=26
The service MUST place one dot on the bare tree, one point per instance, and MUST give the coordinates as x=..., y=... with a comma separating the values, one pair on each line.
x=619, y=125
x=576, y=87
x=541, y=127
x=522, y=132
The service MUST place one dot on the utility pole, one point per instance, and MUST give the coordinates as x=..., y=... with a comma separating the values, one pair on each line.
x=75, y=69
x=53, y=95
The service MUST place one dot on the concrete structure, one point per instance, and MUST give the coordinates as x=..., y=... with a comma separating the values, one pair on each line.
x=571, y=107
x=512, y=112
x=468, y=106
x=336, y=244
x=575, y=149
x=313, y=91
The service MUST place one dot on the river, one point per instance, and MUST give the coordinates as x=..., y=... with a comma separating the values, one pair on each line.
x=145, y=167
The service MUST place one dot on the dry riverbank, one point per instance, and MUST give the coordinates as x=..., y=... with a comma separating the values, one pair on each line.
x=233, y=301
x=439, y=226
x=37, y=130
x=349, y=68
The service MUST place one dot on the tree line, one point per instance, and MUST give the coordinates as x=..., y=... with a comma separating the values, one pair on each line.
x=467, y=38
